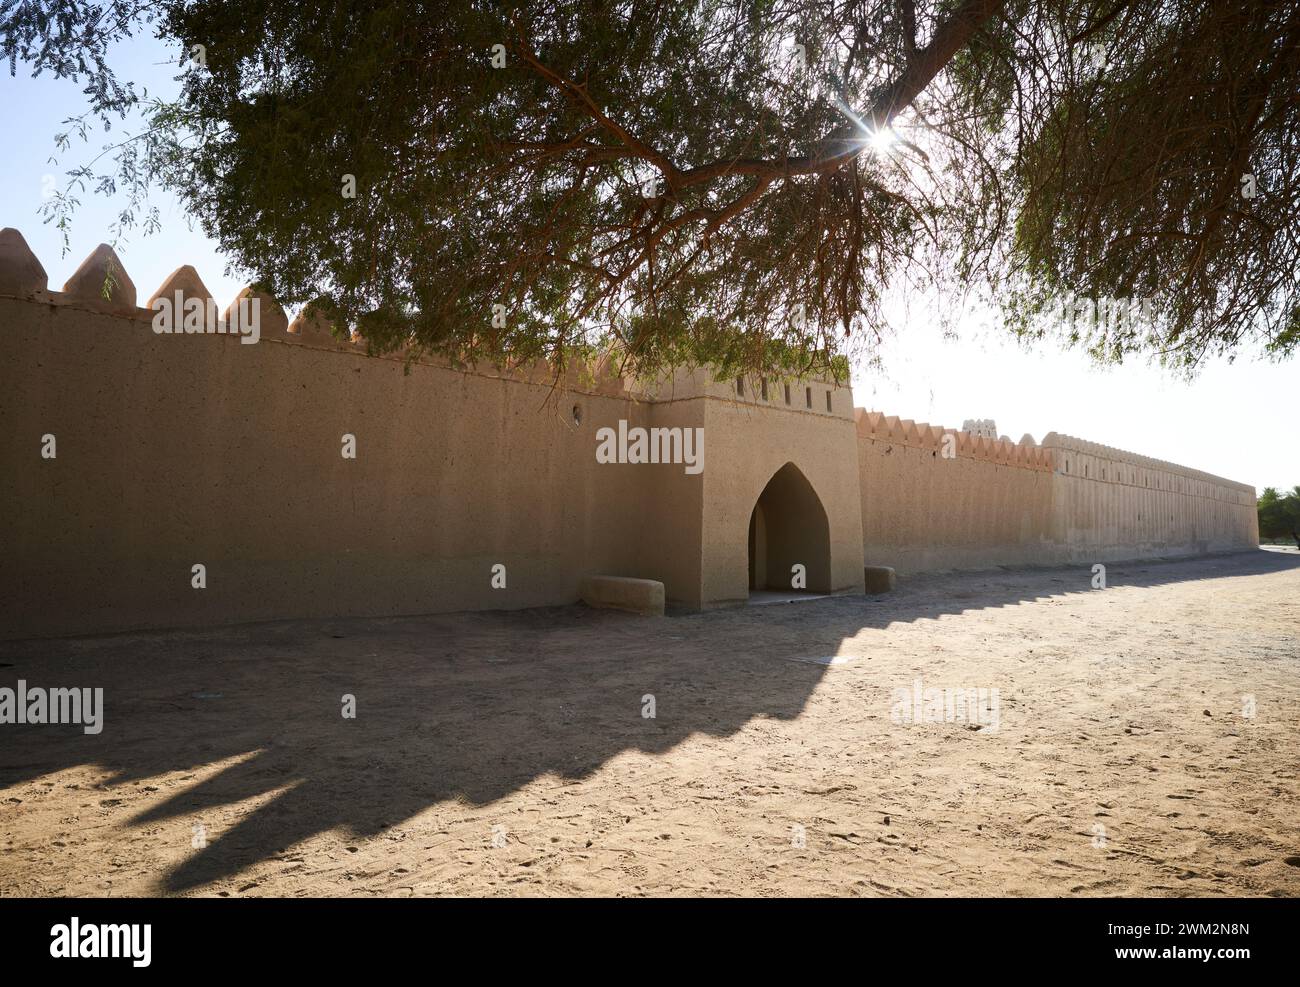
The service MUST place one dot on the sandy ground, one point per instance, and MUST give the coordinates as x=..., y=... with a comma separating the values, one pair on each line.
x=509, y=754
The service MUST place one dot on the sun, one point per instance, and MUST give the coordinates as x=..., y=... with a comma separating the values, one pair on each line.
x=882, y=140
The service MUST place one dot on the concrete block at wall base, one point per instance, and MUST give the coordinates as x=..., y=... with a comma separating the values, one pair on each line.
x=643, y=596
x=879, y=578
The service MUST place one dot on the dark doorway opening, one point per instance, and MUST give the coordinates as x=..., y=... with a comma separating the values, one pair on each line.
x=788, y=528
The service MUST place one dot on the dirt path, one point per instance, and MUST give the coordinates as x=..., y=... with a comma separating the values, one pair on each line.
x=1121, y=762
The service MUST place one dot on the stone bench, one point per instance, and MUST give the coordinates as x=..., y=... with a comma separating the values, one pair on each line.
x=879, y=578
x=643, y=596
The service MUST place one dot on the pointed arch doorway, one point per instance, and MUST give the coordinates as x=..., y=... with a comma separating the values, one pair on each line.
x=788, y=527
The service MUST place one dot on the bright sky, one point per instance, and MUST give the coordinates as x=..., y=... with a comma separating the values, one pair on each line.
x=1235, y=420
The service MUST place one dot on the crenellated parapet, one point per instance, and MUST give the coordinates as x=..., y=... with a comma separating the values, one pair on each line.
x=102, y=284
x=879, y=427
x=1093, y=461
x=1064, y=454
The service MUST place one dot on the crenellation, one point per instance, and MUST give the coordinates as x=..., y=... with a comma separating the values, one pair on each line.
x=184, y=281
x=102, y=281
x=253, y=306
x=311, y=326
x=1142, y=471
x=23, y=277
x=1003, y=452
x=21, y=274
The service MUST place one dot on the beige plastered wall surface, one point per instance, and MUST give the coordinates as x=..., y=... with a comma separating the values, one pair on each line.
x=751, y=439
x=699, y=541
x=1113, y=504
x=173, y=451
x=1002, y=503
x=176, y=451
x=182, y=450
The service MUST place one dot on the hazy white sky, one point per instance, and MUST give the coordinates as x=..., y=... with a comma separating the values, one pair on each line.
x=1237, y=420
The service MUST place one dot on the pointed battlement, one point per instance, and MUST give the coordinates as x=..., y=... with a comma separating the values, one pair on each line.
x=21, y=274
x=101, y=284
x=878, y=427
x=185, y=283
x=102, y=281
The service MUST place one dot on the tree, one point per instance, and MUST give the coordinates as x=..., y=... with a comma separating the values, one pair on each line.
x=732, y=182
x=1279, y=514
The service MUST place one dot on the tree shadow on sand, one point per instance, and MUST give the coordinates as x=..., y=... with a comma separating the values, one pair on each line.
x=460, y=706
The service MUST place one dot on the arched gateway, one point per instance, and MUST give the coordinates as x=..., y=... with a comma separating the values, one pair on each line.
x=788, y=527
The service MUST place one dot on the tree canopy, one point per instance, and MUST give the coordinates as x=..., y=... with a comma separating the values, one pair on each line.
x=730, y=182
x=1279, y=513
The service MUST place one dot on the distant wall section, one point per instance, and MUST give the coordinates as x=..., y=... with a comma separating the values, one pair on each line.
x=1113, y=504
x=1001, y=503
x=984, y=503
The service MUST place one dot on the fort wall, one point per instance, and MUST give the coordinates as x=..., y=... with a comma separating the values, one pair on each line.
x=177, y=450
x=172, y=451
x=1113, y=504
x=965, y=502
x=1001, y=503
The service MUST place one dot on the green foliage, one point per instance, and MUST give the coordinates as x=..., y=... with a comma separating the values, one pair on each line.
x=1279, y=514
x=1170, y=175
x=480, y=186
x=694, y=182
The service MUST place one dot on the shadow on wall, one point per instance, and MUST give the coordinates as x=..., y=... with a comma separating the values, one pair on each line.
x=459, y=706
